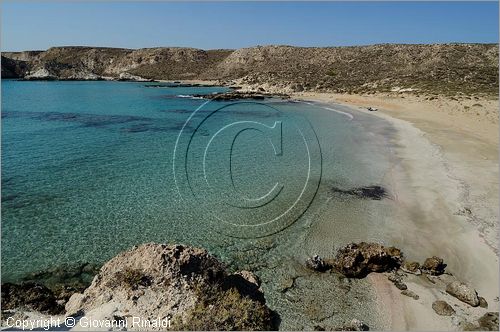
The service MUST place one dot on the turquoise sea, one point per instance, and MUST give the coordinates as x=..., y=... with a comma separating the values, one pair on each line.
x=91, y=168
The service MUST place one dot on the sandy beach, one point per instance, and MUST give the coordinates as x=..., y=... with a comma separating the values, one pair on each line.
x=445, y=181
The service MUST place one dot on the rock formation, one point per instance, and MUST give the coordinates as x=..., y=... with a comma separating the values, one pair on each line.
x=357, y=260
x=463, y=292
x=184, y=284
x=434, y=265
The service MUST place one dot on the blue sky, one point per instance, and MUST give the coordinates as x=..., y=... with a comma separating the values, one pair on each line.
x=39, y=25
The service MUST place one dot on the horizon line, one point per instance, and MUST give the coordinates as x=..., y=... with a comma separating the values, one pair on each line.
x=254, y=46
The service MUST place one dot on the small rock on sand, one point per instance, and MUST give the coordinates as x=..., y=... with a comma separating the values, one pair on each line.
x=411, y=294
x=353, y=325
x=442, y=308
x=411, y=267
x=463, y=292
x=434, y=265
x=397, y=280
x=400, y=285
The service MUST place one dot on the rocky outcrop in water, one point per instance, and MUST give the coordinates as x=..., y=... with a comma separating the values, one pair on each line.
x=357, y=260
x=437, y=69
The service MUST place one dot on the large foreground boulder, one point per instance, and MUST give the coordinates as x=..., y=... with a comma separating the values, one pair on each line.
x=186, y=285
x=357, y=260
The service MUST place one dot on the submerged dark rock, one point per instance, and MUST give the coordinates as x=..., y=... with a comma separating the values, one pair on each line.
x=369, y=192
x=177, y=85
x=31, y=296
x=74, y=275
x=357, y=260
x=85, y=119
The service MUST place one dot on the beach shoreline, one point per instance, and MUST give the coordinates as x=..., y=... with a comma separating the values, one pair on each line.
x=445, y=183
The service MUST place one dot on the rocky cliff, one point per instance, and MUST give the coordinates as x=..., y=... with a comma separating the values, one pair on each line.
x=440, y=68
x=13, y=68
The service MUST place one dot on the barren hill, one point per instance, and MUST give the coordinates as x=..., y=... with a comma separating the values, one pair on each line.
x=438, y=68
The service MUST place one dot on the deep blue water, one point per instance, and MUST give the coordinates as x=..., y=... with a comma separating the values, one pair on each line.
x=87, y=171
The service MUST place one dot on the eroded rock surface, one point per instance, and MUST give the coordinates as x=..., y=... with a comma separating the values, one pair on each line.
x=178, y=282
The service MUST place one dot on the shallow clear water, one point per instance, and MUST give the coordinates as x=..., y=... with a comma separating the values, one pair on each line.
x=87, y=171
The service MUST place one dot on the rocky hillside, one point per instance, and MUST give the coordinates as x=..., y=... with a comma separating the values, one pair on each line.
x=13, y=68
x=441, y=69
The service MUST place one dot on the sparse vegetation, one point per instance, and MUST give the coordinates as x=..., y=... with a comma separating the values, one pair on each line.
x=220, y=309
